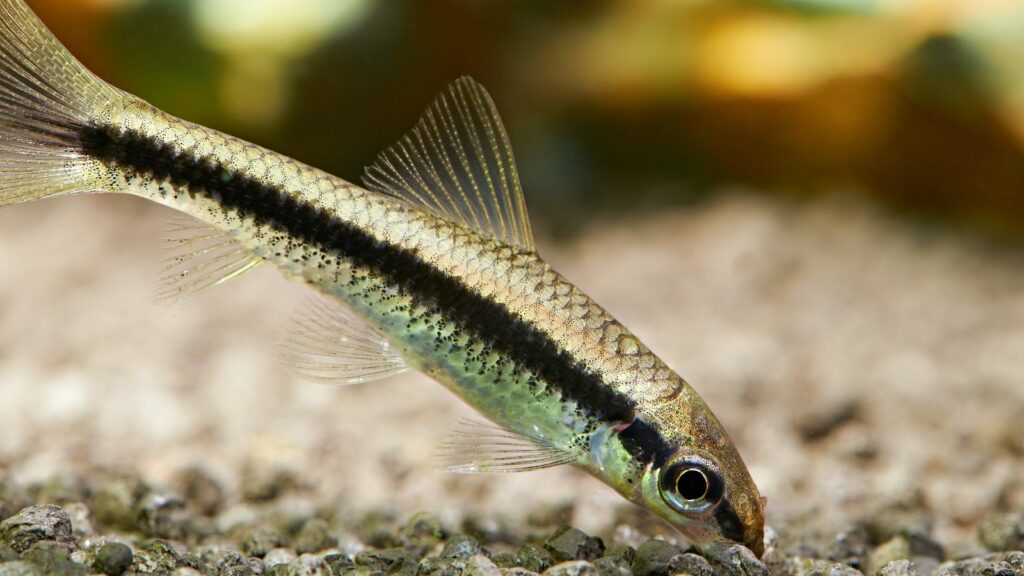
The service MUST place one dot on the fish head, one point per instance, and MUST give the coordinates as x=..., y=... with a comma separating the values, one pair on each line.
x=703, y=489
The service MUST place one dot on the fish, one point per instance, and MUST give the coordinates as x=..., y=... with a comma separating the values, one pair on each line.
x=429, y=265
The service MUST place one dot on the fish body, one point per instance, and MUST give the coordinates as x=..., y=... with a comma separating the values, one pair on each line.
x=430, y=266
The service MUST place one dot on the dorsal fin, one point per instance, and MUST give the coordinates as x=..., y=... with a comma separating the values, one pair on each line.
x=457, y=163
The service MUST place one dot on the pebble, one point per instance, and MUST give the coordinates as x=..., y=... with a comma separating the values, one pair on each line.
x=897, y=568
x=54, y=558
x=423, y=529
x=516, y=572
x=816, y=567
x=278, y=556
x=35, y=524
x=999, y=564
x=1002, y=532
x=113, y=559
x=897, y=548
x=614, y=566
x=305, y=565
x=162, y=516
x=691, y=564
x=654, y=558
x=314, y=536
x=478, y=565
x=851, y=547
x=114, y=503
x=202, y=491
x=573, y=544
x=460, y=546
x=572, y=568
x=258, y=541
x=534, y=558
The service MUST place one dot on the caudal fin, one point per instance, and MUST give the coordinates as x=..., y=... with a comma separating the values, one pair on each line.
x=46, y=99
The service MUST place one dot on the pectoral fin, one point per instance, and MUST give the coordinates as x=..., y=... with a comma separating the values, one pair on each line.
x=475, y=446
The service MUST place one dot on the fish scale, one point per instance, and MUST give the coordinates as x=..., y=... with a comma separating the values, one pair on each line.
x=430, y=265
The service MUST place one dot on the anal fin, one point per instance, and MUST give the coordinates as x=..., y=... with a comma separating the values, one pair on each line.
x=199, y=257
x=476, y=446
x=328, y=343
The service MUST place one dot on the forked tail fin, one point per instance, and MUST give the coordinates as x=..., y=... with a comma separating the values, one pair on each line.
x=46, y=99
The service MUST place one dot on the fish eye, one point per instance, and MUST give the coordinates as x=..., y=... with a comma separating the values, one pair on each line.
x=691, y=485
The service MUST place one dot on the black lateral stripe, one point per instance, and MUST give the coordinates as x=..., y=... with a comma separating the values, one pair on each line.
x=489, y=321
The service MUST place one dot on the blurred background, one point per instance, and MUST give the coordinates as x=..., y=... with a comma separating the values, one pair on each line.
x=919, y=103
x=812, y=209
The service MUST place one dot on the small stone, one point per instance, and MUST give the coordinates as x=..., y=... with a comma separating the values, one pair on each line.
x=572, y=568
x=613, y=566
x=219, y=559
x=338, y=562
x=81, y=523
x=480, y=565
x=923, y=545
x=201, y=490
x=305, y=565
x=516, y=572
x=162, y=516
x=113, y=559
x=259, y=540
x=36, y=524
x=54, y=558
x=436, y=566
x=19, y=568
x=691, y=564
x=814, y=567
x=314, y=536
x=159, y=556
x=114, y=504
x=266, y=484
x=1002, y=532
x=534, y=558
x=278, y=556
x=572, y=544
x=423, y=529
x=897, y=548
x=377, y=529
x=654, y=558
x=460, y=546
x=401, y=560
x=850, y=547
x=897, y=568
x=246, y=569
x=7, y=554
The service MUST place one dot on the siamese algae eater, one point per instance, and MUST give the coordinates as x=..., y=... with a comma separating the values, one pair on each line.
x=429, y=265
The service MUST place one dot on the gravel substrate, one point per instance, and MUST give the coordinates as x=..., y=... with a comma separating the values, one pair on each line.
x=117, y=524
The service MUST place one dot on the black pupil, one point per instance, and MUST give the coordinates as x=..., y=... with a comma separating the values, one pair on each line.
x=692, y=484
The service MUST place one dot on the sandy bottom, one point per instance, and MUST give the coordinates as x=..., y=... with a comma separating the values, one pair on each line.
x=855, y=359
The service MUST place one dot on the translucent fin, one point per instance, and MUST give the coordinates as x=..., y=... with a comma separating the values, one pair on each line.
x=46, y=97
x=328, y=343
x=457, y=163
x=475, y=446
x=199, y=257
